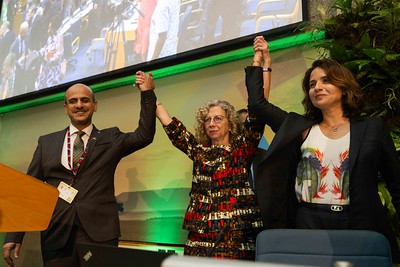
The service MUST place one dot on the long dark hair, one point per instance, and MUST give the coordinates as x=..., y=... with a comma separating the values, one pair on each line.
x=341, y=77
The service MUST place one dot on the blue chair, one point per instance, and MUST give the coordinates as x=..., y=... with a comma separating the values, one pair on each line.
x=323, y=247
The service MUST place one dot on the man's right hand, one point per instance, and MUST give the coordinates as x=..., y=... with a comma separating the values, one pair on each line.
x=7, y=249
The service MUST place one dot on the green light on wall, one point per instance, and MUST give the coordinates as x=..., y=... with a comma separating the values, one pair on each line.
x=176, y=69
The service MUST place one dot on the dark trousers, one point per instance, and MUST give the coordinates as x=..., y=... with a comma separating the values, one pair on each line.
x=68, y=256
x=317, y=219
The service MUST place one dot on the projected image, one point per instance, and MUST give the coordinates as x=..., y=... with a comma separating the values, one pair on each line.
x=47, y=43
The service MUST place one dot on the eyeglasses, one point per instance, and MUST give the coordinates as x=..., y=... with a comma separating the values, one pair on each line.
x=217, y=119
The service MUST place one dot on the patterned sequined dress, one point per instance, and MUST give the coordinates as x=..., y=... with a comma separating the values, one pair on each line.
x=223, y=217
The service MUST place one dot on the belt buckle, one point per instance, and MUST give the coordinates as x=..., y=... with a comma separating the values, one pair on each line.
x=336, y=208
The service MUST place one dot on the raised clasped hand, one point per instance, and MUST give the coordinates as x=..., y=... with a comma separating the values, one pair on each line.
x=261, y=45
x=143, y=81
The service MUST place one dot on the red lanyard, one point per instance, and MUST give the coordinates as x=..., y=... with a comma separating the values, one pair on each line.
x=78, y=164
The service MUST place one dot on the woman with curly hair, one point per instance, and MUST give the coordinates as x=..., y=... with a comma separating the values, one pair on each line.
x=223, y=217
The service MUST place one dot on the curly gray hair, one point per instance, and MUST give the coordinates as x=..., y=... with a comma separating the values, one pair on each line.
x=235, y=125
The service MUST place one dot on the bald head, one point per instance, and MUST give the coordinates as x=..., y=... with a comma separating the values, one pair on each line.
x=24, y=28
x=79, y=105
x=78, y=87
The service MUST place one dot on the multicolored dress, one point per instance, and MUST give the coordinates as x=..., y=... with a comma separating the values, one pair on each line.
x=223, y=217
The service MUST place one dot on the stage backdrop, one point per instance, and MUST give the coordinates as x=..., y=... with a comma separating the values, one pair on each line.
x=152, y=185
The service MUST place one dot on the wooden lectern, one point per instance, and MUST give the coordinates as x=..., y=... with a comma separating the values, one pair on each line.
x=26, y=203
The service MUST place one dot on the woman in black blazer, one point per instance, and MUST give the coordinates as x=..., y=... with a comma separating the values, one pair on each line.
x=321, y=170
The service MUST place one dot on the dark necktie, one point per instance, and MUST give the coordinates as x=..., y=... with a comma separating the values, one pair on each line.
x=78, y=147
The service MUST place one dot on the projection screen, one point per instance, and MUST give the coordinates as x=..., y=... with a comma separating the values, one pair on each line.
x=46, y=45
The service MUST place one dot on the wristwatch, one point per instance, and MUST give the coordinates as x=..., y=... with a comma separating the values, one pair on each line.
x=267, y=69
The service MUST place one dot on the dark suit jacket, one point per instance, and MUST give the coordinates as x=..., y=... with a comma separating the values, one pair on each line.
x=15, y=46
x=95, y=203
x=37, y=38
x=5, y=43
x=371, y=152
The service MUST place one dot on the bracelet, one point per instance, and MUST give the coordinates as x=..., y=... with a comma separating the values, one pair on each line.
x=267, y=69
x=259, y=63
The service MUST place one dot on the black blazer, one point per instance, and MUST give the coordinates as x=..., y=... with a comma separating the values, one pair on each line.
x=15, y=46
x=5, y=43
x=95, y=203
x=372, y=153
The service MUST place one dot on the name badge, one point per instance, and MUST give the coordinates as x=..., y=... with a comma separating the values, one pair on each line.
x=67, y=192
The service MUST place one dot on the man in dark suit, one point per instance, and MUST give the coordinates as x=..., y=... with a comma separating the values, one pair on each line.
x=36, y=28
x=20, y=48
x=86, y=210
x=7, y=37
x=20, y=45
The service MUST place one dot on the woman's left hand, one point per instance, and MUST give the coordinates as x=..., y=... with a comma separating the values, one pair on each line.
x=260, y=44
